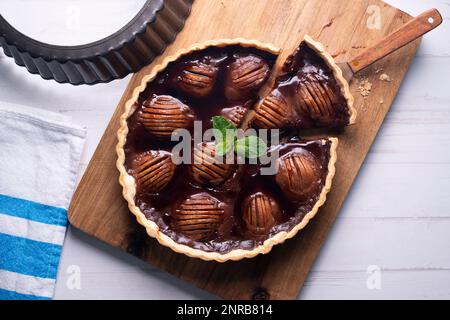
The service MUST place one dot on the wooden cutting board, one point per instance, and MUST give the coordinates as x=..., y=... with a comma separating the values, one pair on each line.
x=344, y=27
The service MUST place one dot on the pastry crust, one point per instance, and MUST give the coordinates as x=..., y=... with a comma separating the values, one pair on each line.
x=129, y=185
x=337, y=72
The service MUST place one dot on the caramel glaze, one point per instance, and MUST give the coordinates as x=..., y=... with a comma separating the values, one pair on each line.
x=160, y=207
x=305, y=95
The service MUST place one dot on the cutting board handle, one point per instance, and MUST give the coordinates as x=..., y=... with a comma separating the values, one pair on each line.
x=409, y=32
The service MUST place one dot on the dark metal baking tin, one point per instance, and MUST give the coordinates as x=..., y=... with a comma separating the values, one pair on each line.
x=126, y=51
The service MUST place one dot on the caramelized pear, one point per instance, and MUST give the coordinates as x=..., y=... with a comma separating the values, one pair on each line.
x=235, y=114
x=298, y=174
x=272, y=112
x=245, y=76
x=259, y=212
x=154, y=171
x=197, y=79
x=162, y=115
x=207, y=169
x=316, y=99
x=199, y=216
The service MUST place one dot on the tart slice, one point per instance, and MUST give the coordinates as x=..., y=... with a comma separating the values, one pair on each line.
x=309, y=93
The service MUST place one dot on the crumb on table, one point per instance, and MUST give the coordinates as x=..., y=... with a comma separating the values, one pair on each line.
x=365, y=87
x=385, y=77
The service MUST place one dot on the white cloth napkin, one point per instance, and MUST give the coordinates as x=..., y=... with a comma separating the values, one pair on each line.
x=40, y=153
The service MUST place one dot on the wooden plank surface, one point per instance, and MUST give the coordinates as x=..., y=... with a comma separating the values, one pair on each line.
x=341, y=25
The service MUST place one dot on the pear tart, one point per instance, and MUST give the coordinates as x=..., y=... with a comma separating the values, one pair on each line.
x=218, y=211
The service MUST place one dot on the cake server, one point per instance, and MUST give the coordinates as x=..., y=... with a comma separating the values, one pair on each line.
x=409, y=32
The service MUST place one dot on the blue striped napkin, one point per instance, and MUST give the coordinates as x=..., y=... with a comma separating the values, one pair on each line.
x=39, y=159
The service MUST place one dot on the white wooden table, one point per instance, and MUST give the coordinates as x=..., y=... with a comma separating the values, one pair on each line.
x=396, y=218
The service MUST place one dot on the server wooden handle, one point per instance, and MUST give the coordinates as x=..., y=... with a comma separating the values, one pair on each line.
x=409, y=32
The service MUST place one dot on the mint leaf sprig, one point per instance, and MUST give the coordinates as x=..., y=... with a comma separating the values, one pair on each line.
x=226, y=133
x=251, y=147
